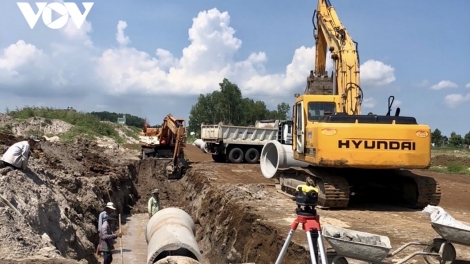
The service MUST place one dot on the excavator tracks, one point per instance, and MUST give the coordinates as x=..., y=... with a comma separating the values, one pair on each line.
x=334, y=188
x=424, y=190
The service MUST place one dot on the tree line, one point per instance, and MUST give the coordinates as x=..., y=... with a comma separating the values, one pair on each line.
x=131, y=120
x=455, y=140
x=228, y=105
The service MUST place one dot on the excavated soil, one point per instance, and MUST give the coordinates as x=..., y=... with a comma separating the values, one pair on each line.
x=445, y=160
x=239, y=214
x=56, y=201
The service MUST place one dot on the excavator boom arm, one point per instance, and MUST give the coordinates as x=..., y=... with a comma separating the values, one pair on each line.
x=329, y=32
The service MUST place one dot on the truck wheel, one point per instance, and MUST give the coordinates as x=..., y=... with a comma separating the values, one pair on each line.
x=235, y=155
x=252, y=155
x=218, y=158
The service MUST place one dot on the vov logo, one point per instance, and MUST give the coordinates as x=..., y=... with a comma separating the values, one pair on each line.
x=63, y=9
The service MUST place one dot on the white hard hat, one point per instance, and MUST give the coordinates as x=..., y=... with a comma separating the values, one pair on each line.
x=110, y=205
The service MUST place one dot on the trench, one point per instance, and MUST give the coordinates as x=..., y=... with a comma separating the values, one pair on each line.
x=226, y=231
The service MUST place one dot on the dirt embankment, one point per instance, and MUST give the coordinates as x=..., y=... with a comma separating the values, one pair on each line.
x=56, y=202
x=227, y=230
x=445, y=160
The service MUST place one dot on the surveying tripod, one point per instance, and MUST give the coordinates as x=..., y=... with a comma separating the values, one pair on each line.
x=310, y=221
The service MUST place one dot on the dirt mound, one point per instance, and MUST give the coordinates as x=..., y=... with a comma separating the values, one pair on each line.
x=445, y=160
x=59, y=198
x=8, y=139
x=54, y=127
x=34, y=125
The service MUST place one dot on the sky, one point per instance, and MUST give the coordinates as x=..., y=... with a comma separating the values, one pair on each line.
x=150, y=58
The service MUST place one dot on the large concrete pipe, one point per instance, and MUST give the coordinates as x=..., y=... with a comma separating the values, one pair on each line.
x=171, y=232
x=276, y=156
x=198, y=142
x=203, y=147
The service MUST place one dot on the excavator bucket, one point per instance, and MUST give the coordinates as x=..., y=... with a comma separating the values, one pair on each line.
x=319, y=84
x=175, y=171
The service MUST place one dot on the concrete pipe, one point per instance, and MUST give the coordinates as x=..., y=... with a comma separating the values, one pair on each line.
x=198, y=142
x=276, y=156
x=171, y=232
x=203, y=147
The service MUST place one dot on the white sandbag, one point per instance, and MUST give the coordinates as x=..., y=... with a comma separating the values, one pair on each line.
x=440, y=216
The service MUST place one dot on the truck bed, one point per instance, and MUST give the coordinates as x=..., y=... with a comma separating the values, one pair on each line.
x=228, y=134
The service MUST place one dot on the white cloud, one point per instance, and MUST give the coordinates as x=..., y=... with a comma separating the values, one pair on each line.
x=369, y=102
x=204, y=63
x=467, y=86
x=444, y=85
x=76, y=66
x=376, y=73
x=76, y=35
x=454, y=100
x=18, y=55
x=120, y=37
x=396, y=103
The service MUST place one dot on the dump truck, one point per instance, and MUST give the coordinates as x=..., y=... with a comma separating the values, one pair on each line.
x=238, y=144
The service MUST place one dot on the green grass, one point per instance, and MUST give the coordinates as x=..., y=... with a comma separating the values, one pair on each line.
x=452, y=168
x=85, y=125
x=190, y=139
x=7, y=129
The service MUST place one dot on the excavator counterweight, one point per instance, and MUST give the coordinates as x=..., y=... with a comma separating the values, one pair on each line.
x=347, y=153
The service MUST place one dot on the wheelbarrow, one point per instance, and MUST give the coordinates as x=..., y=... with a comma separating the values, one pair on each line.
x=443, y=245
x=367, y=247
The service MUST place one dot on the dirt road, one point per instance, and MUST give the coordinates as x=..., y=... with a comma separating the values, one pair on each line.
x=401, y=225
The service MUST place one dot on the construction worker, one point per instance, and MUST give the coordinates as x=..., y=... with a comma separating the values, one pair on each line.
x=153, y=203
x=107, y=237
x=17, y=155
x=101, y=218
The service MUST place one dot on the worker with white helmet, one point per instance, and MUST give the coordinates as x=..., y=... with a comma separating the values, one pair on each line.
x=101, y=218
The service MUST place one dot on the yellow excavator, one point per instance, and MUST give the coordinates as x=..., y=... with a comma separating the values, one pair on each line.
x=347, y=153
x=166, y=143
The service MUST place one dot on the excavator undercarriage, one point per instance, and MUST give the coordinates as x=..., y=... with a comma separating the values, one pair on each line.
x=338, y=186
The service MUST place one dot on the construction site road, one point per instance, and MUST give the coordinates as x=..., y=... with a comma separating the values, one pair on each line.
x=276, y=210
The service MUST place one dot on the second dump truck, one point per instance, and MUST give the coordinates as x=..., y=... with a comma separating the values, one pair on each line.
x=237, y=144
